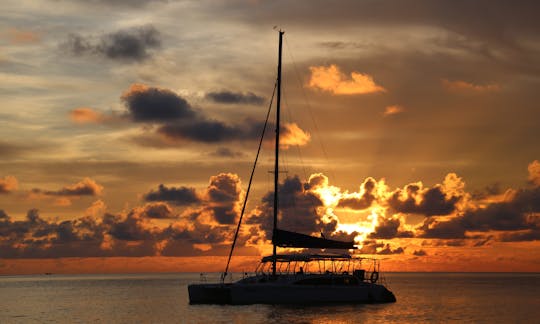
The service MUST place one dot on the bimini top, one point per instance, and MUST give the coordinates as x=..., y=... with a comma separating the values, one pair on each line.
x=306, y=257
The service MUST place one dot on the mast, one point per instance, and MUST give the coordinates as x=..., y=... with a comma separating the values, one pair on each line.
x=276, y=165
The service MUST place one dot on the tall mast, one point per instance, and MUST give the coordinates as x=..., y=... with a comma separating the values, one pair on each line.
x=276, y=165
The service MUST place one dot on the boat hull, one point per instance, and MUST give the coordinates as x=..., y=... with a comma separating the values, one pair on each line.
x=275, y=293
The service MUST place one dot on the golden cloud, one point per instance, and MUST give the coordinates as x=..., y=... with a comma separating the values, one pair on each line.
x=8, y=184
x=467, y=86
x=393, y=110
x=292, y=135
x=534, y=172
x=333, y=80
x=135, y=88
x=85, y=115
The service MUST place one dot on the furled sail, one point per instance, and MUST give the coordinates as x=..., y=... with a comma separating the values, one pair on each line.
x=284, y=238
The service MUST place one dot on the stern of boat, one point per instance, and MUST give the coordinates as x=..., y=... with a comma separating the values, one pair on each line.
x=209, y=294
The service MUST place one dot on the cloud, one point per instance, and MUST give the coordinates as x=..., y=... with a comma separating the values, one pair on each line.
x=364, y=199
x=299, y=209
x=85, y=115
x=332, y=80
x=534, y=173
x=292, y=135
x=419, y=253
x=514, y=219
x=85, y=187
x=8, y=184
x=64, y=196
x=470, y=87
x=158, y=210
x=376, y=247
x=207, y=131
x=223, y=197
x=180, y=196
x=178, y=121
x=226, y=153
x=229, y=97
x=151, y=104
x=388, y=228
x=393, y=110
x=206, y=226
x=18, y=36
x=133, y=44
x=429, y=201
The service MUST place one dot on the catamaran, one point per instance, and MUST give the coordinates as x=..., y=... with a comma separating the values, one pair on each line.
x=299, y=278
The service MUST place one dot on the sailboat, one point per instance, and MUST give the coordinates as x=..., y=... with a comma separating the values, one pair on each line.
x=300, y=278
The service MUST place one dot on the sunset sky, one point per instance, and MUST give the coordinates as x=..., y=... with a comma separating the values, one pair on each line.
x=128, y=130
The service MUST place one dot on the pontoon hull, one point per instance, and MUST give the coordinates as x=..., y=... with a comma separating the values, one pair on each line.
x=274, y=293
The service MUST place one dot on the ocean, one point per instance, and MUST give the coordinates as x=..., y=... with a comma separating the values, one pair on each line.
x=163, y=298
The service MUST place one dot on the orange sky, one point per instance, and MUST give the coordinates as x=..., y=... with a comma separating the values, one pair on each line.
x=128, y=131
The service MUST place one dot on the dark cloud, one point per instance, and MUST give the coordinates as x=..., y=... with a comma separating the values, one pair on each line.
x=521, y=236
x=432, y=201
x=388, y=250
x=177, y=120
x=389, y=229
x=491, y=190
x=150, y=104
x=298, y=210
x=179, y=196
x=229, y=97
x=432, y=228
x=516, y=216
x=133, y=227
x=211, y=131
x=419, y=253
x=158, y=210
x=223, y=197
x=364, y=201
x=226, y=153
x=377, y=247
x=134, y=44
x=132, y=234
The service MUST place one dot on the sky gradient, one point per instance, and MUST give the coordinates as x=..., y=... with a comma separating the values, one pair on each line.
x=128, y=130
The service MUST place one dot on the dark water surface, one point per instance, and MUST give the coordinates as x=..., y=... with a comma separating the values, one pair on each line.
x=162, y=298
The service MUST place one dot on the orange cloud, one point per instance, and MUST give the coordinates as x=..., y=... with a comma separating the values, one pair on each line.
x=135, y=88
x=293, y=135
x=64, y=196
x=17, y=36
x=86, y=186
x=333, y=80
x=85, y=115
x=393, y=110
x=467, y=86
x=8, y=184
x=534, y=172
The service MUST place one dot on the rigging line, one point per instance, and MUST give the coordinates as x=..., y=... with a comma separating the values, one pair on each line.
x=331, y=169
x=249, y=184
x=297, y=146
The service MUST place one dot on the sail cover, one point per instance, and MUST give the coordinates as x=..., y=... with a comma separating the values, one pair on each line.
x=283, y=238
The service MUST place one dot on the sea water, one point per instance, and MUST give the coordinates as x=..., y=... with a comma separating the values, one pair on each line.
x=163, y=298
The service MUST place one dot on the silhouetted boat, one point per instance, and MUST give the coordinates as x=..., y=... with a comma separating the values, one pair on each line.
x=297, y=278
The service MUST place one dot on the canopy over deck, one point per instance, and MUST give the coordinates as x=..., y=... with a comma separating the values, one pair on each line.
x=307, y=257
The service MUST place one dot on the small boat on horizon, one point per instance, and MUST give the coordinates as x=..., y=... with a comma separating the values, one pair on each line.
x=300, y=278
